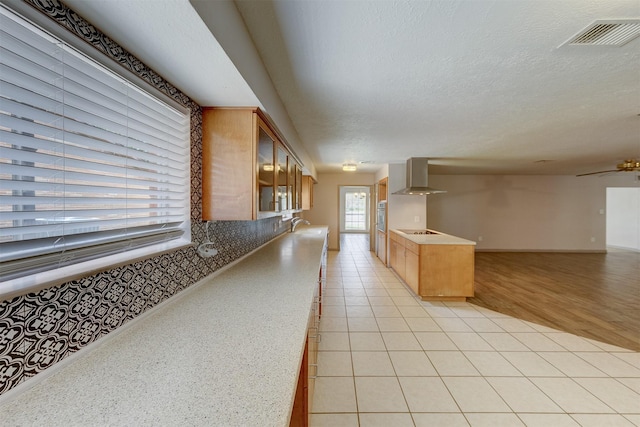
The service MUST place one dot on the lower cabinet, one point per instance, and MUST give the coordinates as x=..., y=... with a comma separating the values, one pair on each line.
x=397, y=255
x=300, y=411
x=412, y=270
x=381, y=247
x=447, y=272
x=303, y=402
x=313, y=339
x=441, y=272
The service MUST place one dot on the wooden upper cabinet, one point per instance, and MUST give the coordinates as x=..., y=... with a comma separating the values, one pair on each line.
x=298, y=188
x=282, y=195
x=267, y=167
x=382, y=189
x=245, y=166
x=307, y=192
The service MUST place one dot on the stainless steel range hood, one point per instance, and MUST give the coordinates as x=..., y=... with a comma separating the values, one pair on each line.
x=418, y=178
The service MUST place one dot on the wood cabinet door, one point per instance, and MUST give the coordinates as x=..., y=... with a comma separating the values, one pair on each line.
x=307, y=192
x=400, y=267
x=297, y=190
x=228, y=164
x=448, y=270
x=282, y=176
x=267, y=167
x=300, y=411
x=393, y=254
x=412, y=270
x=312, y=360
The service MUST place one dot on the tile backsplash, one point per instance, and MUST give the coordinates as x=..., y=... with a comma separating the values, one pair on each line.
x=39, y=329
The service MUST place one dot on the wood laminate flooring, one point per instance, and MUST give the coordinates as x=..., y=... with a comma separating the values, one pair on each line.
x=592, y=295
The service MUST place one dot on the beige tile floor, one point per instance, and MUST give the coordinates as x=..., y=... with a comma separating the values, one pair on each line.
x=389, y=359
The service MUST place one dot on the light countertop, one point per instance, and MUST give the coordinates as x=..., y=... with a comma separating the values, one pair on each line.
x=224, y=352
x=433, y=239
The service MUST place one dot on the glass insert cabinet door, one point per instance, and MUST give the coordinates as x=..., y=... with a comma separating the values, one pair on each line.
x=291, y=181
x=266, y=172
x=282, y=202
x=298, y=188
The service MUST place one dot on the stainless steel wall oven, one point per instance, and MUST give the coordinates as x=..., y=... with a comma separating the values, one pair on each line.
x=382, y=216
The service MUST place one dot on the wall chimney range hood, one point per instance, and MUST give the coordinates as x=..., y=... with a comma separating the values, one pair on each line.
x=418, y=178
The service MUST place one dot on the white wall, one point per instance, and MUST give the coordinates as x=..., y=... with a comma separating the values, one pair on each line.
x=326, y=197
x=402, y=210
x=523, y=212
x=623, y=218
x=383, y=172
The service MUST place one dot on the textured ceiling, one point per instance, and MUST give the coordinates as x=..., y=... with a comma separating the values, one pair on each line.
x=478, y=86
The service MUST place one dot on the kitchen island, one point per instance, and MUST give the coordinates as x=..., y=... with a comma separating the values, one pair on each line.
x=225, y=352
x=436, y=266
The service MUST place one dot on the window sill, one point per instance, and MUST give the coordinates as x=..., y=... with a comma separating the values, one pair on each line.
x=47, y=279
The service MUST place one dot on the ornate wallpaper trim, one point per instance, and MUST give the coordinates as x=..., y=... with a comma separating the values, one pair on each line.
x=39, y=329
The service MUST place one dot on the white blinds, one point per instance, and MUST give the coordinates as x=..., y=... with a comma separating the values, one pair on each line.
x=87, y=159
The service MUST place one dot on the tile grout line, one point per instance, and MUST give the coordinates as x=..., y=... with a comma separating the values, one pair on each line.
x=361, y=268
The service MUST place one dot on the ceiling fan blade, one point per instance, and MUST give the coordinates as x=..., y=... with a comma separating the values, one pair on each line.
x=595, y=173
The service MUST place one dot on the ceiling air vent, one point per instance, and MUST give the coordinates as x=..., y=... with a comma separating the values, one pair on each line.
x=606, y=33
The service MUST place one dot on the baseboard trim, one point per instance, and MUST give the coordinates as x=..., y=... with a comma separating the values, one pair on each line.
x=621, y=249
x=566, y=251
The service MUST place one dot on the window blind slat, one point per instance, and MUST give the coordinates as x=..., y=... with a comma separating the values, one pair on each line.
x=50, y=165
x=48, y=83
x=45, y=228
x=59, y=214
x=144, y=108
x=56, y=177
x=145, y=188
x=48, y=138
x=148, y=162
x=125, y=200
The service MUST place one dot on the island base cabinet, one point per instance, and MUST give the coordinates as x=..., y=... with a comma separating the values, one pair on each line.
x=397, y=257
x=435, y=272
x=412, y=270
x=446, y=272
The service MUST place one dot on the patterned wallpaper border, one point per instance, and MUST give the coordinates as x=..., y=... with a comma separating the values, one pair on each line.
x=39, y=329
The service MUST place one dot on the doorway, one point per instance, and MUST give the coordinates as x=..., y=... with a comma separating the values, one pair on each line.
x=623, y=218
x=355, y=211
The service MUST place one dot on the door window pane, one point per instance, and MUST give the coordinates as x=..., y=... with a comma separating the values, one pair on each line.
x=355, y=211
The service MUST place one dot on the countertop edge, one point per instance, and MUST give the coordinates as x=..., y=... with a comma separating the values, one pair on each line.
x=434, y=239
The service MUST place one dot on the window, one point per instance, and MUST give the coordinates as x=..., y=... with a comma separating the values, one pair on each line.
x=90, y=164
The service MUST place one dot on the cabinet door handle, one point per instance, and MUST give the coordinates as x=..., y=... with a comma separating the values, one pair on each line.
x=316, y=375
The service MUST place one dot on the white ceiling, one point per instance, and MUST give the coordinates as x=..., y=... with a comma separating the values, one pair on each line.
x=478, y=86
